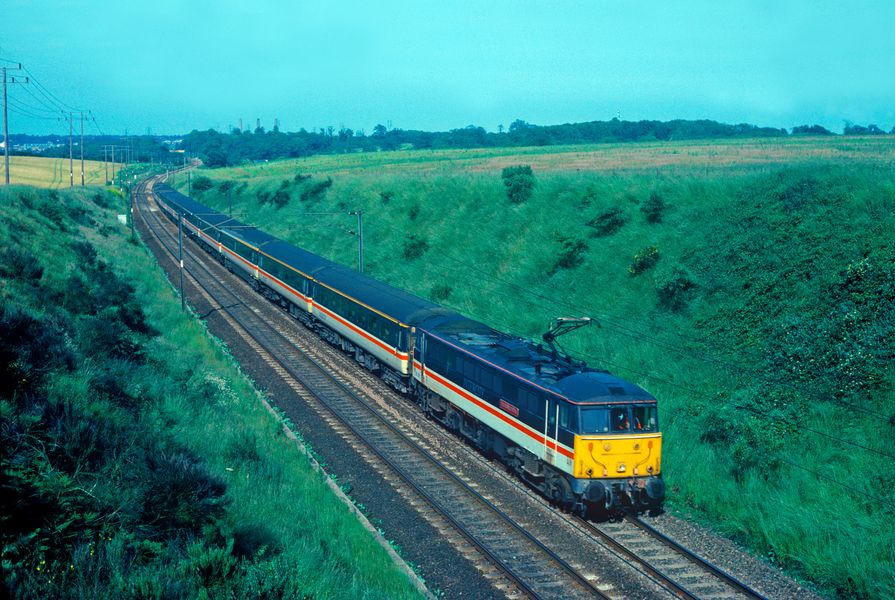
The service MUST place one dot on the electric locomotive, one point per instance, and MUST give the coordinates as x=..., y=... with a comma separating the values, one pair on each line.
x=583, y=437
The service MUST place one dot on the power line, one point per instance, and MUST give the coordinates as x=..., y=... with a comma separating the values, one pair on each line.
x=524, y=299
x=43, y=89
x=604, y=319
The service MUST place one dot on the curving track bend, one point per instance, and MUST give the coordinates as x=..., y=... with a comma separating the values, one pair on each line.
x=535, y=550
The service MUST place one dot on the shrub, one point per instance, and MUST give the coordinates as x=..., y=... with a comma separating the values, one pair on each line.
x=280, y=198
x=317, y=190
x=181, y=494
x=263, y=197
x=608, y=222
x=675, y=292
x=586, y=199
x=300, y=177
x=202, y=184
x=30, y=349
x=414, y=247
x=20, y=264
x=386, y=196
x=85, y=252
x=644, y=260
x=519, y=182
x=653, y=208
x=571, y=254
x=414, y=212
x=440, y=292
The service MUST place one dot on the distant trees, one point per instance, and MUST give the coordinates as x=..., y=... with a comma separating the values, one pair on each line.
x=854, y=129
x=219, y=150
x=811, y=130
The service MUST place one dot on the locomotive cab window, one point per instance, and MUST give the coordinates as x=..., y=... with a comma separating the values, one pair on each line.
x=619, y=419
x=644, y=418
x=594, y=420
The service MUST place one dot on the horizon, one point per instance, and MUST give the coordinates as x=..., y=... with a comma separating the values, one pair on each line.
x=439, y=68
x=367, y=132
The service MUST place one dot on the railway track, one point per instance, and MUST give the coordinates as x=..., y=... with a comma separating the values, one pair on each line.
x=529, y=565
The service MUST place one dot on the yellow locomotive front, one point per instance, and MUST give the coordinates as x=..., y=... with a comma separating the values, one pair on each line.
x=618, y=451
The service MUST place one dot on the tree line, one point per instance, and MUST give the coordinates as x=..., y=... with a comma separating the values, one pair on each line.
x=217, y=149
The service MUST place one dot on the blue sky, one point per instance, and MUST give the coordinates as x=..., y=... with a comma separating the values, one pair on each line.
x=175, y=66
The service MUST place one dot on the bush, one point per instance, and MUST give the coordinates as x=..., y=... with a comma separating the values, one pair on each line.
x=280, y=198
x=440, y=292
x=181, y=495
x=675, y=292
x=414, y=247
x=317, y=190
x=653, y=208
x=30, y=349
x=519, y=182
x=571, y=254
x=644, y=260
x=386, y=196
x=608, y=222
x=20, y=264
x=202, y=184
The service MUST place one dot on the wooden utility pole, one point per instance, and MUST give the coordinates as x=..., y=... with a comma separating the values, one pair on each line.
x=5, y=129
x=82, y=149
x=6, y=116
x=71, y=157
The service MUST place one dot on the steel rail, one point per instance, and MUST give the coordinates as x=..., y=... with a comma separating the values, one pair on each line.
x=718, y=572
x=322, y=371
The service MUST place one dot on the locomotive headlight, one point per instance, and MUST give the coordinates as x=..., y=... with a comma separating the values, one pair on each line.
x=621, y=467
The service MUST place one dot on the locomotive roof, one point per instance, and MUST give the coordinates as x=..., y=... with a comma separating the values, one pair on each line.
x=536, y=364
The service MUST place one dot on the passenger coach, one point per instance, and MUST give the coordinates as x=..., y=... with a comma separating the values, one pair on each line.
x=585, y=438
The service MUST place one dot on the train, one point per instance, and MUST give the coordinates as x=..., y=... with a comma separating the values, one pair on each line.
x=586, y=439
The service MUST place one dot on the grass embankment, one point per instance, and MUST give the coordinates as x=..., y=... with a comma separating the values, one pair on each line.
x=54, y=172
x=750, y=285
x=141, y=463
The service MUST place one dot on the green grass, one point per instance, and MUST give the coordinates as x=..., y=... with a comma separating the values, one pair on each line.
x=765, y=327
x=142, y=464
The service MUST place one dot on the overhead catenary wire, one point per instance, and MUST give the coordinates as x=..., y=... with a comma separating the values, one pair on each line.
x=23, y=109
x=696, y=393
x=524, y=293
x=40, y=87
